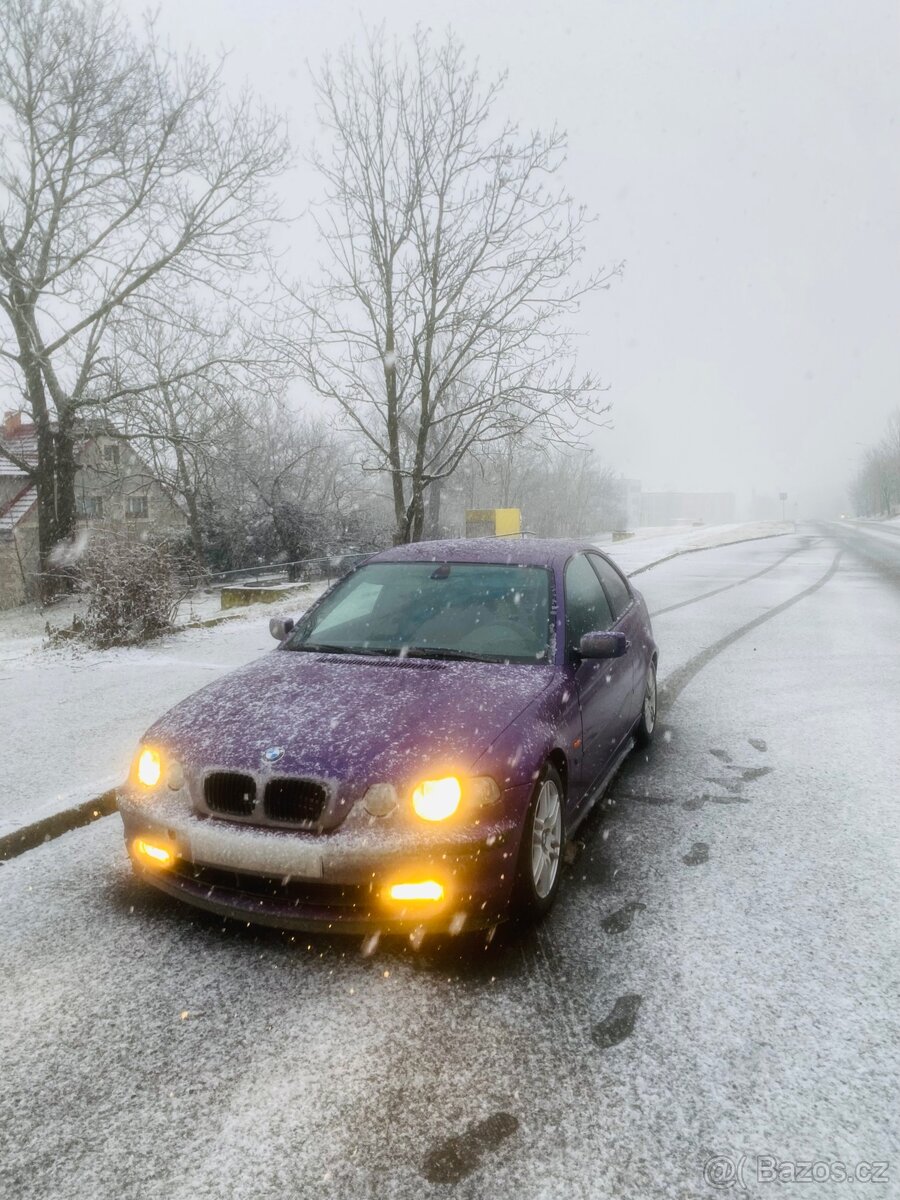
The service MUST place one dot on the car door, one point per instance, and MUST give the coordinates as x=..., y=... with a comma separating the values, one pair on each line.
x=627, y=619
x=604, y=685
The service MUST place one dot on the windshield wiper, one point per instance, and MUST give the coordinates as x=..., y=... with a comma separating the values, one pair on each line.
x=461, y=655
x=325, y=648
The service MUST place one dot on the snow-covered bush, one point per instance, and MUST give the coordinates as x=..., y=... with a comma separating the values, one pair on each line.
x=132, y=587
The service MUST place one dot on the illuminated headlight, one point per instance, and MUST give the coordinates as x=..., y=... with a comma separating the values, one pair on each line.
x=149, y=767
x=437, y=799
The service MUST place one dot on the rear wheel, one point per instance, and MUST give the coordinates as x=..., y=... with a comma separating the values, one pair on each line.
x=540, y=856
x=644, y=730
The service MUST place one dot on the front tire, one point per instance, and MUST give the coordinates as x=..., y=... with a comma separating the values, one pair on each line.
x=646, y=726
x=540, y=855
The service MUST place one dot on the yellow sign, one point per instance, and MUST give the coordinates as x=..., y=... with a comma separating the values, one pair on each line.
x=493, y=522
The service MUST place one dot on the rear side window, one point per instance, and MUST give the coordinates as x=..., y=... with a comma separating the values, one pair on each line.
x=587, y=608
x=613, y=584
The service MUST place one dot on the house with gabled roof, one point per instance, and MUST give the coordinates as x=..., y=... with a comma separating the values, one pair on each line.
x=114, y=488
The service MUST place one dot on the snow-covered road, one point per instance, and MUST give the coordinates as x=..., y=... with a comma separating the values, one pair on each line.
x=720, y=976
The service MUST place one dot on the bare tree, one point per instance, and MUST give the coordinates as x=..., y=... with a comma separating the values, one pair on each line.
x=185, y=389
x=126, y=176
x=563, y=491
x=440, y=323
x=876, y=487
x=292, y=489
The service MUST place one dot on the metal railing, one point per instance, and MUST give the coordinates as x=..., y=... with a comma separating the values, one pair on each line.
x=300, y=570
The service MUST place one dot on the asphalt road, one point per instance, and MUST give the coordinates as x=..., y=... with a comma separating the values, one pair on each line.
x=719, y=978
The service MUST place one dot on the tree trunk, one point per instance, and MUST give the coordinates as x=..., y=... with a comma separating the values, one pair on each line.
x=190, y=497
x=66, y=467
x=401, y=512
x=44, y=475
x=45, y=481
x=416, y=520
x=196, y=531
x=433, y=523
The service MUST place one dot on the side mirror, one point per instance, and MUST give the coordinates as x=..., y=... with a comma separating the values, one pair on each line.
x=280, y=627
x=603, y=645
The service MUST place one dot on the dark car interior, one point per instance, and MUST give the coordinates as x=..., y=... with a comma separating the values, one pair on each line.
x=472, y=610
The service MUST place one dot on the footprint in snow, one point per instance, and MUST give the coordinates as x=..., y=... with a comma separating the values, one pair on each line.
x=695, y=802
x=699, y=853
x=730, y=785
x=752, y=773
x=618, y=1024
x=454, y=1159
x=621, y=919
x=758, y=744
x=698, y=801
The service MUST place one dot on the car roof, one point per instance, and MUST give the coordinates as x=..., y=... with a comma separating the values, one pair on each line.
x=515, y=549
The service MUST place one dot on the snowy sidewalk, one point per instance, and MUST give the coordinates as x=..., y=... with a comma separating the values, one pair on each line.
x=71, y=718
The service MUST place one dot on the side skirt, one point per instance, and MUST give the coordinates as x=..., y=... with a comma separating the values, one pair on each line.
x=596, y=793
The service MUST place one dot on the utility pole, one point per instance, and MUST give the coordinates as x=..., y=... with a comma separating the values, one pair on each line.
x=782, y=496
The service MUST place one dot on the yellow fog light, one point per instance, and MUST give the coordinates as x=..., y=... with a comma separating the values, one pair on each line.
x=426, y=889
x=153, y=852
x=149, y=768
x=437, y=799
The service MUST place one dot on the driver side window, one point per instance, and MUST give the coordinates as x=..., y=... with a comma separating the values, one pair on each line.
x=587, y=608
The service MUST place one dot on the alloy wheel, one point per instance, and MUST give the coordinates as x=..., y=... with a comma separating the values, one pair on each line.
x=546, y=838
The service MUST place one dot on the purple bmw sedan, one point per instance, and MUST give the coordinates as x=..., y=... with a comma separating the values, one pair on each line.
x=414, y=753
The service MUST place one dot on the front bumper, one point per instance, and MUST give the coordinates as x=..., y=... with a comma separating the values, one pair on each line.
x=334, y=881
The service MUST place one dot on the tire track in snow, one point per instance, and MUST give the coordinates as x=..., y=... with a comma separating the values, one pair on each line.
x=763, y=537
x=678, y=680
x=728, y=586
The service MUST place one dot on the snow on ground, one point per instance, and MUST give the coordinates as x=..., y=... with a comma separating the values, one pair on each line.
x=880, y=530
x=71, y=718
x=741, y=894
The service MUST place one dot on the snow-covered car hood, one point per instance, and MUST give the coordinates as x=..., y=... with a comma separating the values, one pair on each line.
x=356, y=719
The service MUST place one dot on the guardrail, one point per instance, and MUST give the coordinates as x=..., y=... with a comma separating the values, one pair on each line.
x=300, y=570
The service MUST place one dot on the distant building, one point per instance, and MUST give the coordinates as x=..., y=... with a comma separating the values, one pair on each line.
x=113, y=488
x=672, y=508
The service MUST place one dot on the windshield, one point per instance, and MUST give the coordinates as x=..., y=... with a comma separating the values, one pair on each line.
x=444, y=610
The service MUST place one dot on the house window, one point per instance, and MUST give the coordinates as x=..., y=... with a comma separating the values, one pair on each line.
x=137, y=506
x=111, y=454
x=89, y=507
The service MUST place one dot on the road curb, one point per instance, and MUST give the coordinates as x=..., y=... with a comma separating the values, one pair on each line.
x=47, y=830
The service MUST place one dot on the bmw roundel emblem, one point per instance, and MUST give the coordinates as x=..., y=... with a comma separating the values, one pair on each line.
x=273, y=754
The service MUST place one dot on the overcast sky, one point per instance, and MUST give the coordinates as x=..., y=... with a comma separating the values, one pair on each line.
x=742, y=157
